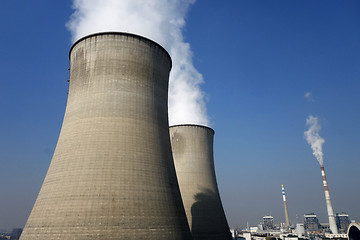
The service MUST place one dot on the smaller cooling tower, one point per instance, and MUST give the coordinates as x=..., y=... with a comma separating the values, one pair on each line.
x=192, y=148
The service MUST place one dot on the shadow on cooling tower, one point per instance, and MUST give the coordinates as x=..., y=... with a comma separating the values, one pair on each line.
x=206, y=210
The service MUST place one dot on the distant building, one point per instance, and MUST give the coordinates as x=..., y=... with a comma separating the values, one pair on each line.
x=290, y=238
x=247, y=236
x=342, y=222
x=15, y=234
x=325, y=227
x=268, y=223
x=300, y=230
x=233, y=233
x=311, y=223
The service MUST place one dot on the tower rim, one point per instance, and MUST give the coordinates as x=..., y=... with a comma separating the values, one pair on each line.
x=192, y=125
x=124, y=34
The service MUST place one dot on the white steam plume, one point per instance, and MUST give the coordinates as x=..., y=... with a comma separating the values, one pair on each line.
x=313, y=138
x=163, y=22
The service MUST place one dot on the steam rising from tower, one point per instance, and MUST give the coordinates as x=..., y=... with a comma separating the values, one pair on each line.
x=313, y=138
x=161, y=21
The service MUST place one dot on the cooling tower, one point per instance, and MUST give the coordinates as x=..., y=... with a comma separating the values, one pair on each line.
x=353, y=231
x=330, y=211
x=112, y=175
x=192, y=148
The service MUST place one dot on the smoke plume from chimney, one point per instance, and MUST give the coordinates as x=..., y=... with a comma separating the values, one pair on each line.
x=316, y=142
x=313, y=138
x=163, y=22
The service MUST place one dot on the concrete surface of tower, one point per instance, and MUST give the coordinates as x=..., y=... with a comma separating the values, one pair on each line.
x=192, y=147
x=112, y=175
x=332, y=222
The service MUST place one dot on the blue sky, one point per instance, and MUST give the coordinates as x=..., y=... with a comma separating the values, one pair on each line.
x=258, y=59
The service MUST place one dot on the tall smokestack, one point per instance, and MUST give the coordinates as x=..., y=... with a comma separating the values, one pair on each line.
x=192, y=147
x=313, y=138
x=330, y=211
x=112, y=175
x=287, y=222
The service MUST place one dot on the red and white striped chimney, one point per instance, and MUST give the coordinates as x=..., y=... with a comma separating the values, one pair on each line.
x=330, y=211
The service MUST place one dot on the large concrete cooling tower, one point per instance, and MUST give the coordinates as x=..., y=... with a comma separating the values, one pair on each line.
x=112, y=175
x=192, y=147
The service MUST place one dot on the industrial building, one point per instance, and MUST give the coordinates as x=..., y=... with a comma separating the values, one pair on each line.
x=112, y=174
x=311, y=223
x=342, y=222
x=268, y=223
x=192, y=147
x=300, y=230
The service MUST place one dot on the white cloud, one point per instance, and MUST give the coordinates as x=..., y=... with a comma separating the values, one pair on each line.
x=309, y=97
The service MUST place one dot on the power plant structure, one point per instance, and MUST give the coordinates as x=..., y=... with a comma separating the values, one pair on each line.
x=332, y=222
x=353, y=231
x=287, y=221
x=192, y=147
x=112, y=175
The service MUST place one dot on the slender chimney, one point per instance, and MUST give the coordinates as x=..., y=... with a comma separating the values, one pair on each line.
x=112, y=175
x=287, y=222
x=330, y=211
